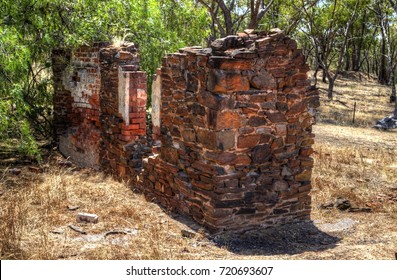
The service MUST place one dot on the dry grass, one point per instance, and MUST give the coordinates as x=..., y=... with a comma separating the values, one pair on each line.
x=363, y=174
x=35, y=218
x=372, y=101
x=358, y=163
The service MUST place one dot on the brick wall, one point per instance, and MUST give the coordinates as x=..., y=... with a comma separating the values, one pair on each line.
x=235, y=133
x=100, y=107
x=76, y=103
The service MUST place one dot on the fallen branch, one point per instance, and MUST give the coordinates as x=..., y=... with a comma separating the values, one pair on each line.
x=77, y=229
x=111, y=232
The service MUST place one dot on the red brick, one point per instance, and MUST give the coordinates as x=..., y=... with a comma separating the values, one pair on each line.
x=138, y=115
x=138, y=120
x=129, y=127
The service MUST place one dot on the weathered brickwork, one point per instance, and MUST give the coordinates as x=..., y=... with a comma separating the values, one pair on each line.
x=76, y=103
x=235, y=133
x=123, y=117
x=100, y=107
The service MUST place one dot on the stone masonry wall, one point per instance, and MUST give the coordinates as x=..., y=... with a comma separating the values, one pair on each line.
x=100, y=107
x=235, y=133
x=231, y=125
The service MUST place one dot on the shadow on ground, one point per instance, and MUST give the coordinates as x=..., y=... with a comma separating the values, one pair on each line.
x=287, y=239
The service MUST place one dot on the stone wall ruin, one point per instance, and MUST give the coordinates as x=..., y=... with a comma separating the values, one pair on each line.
x=100, y=107
x=233, y=122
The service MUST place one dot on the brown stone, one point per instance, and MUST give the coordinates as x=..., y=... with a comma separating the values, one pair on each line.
x=189, y=135
x=305, y=175
x=266, y=138
x=202, y=185
x=231, y=183
x=246, y=211
x=231, y=41
x=206, y=137
x=308, y=162
x=228, y=120
x=212, y=118
x=222, y=81
x=281, y=129
x=261, y=154
x=276, y=117
x=245, y=130
x=257, y=121
x=226, y=63
x=286, y=171
x=307, y=122
x=305, y=152
x=264, y=130
x=212, y=100
x=242, y=160
x=225, y=139
x=291, y=139
x=197, y=109
x=297, y=108
x=280, y=185
x=221, y=158
x=257, y=98
x=248, y=141
x=263, y=80
x=204, y=167
x=226, y=158
x=262, y=43
x=269, y=105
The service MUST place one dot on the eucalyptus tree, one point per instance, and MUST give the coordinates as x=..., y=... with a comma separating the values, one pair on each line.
x=328, y=26
x=285, y=15
x=230, y=16
x=383, y=11
x=364, y=31
x=393, y=4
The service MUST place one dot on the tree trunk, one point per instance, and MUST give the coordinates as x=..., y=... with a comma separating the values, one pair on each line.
x=395, y=110
x=324, y=76
x=393, y=87
x=358, y=47
x=331, y=82
x=347, y=63
x=383, y=67
x=315, y=75
x=356, y=58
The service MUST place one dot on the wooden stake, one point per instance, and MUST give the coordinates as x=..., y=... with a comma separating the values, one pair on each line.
x=354, y=112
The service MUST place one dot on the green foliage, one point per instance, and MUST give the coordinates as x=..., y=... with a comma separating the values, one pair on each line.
x=31, y=29
x=160, y=27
